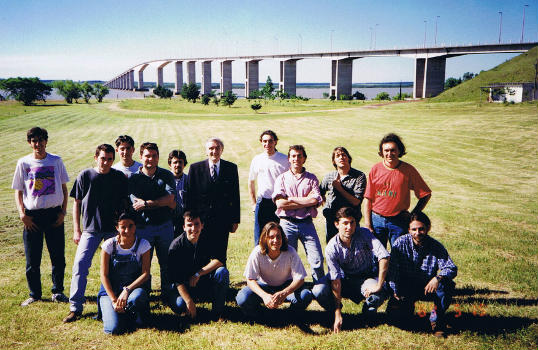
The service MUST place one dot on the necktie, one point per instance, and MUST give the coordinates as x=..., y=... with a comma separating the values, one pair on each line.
x=213, y=172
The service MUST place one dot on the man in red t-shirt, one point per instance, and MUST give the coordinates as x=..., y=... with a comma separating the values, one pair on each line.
x=388, y=189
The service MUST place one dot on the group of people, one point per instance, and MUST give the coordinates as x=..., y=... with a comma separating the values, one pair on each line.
x=136, y=208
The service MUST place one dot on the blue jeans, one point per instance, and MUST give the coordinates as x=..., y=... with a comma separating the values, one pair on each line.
x=352, y=287
x=212, y=286
x=411, y=291
x=33, y=250
x=306, y=232
x=136, y=312
x=389, y=227
x=250, y=302
x=264, y=212
x=88, y=244
x=160, y=237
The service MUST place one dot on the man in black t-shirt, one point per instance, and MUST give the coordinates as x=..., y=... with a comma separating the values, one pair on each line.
x=195, y=271
x=100, y=194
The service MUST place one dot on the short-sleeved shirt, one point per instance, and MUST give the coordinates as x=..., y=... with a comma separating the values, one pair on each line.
x=40, y=181
x=128, y=171
x=143, y=247
x=353, y=183
x=161, y=184
x=103, y=197
x=265, y=169
x=287, y=185
x=287, y=266
x=185, y=259
x=360, y=259
x=388, y=189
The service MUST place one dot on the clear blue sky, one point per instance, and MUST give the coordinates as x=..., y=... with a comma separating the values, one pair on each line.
x=98, y=39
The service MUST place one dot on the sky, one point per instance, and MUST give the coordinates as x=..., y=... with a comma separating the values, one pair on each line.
x=98, y=39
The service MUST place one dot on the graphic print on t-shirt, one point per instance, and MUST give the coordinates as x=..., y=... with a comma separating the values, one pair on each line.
x=41, y=181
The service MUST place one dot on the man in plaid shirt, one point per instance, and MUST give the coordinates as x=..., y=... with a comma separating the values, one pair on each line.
x=420, y=268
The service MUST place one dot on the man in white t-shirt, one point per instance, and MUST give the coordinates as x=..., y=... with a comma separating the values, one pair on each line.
x=274, y=274
x=264, y=169
x=125, y=149
x=41, y=196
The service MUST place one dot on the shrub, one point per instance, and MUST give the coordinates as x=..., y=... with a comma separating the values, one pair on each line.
x=382, y=96
x=256, y=106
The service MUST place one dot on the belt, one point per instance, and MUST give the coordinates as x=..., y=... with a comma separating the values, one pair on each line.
x=37, y=211
x=295, y=220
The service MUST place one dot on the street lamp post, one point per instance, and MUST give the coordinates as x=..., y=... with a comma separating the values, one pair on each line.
x=436, y=18
x=523, y=24
x=425, y=22
x=371, y=37
x=500, y=25
x=375, y=35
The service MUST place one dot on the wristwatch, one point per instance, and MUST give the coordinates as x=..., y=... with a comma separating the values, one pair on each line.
x=127, y=289
x=197, y=274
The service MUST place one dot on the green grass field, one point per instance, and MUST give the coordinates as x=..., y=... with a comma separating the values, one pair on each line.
x=481, y=162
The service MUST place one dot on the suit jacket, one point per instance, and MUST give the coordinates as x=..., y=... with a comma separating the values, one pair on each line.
x=215, y=201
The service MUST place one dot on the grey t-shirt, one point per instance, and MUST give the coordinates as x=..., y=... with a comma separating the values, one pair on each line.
x=103, y=197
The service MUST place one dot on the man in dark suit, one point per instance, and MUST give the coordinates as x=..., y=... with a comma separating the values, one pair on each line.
x=213, y=191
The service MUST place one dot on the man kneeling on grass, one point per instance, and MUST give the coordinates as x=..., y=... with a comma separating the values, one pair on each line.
x=195, y=271
x=357, y=263
x=274, y=274
x=421, y=269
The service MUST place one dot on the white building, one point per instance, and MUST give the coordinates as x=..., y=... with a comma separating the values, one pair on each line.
x=512, y=92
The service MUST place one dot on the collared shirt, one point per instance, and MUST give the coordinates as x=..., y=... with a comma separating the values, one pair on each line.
x=265, y=169
x=353, y=183
x=141, y=186
x=360, y=259
x=185, y=259
x=213, y=167
x=410, y=262
x=306, y=185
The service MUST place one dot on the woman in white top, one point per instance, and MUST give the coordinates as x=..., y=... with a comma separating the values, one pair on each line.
x=125, y=267
x=274, y=274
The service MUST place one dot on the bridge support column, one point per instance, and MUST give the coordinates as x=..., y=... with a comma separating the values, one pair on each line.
x=341, y=76
x=206, y=77
x=122, y=79
x=160, y=76
x=191, y=72
x=140, y=79
x=179, y=76
x=225, y=76
x=252, y=80
x=429, y=76
x=131, y=80
x=288, y=77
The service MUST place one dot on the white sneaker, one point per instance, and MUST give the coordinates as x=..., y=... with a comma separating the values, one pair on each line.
x=60, y=298
x=29, y=301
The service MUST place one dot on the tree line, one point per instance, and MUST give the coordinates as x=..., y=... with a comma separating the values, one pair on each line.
x=29, y=90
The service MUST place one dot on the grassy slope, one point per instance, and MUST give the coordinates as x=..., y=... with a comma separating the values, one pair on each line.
x=480, y=162
x=518, y=69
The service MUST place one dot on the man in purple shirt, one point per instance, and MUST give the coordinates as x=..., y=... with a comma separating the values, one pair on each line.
x=297, y=196
x=357, y=264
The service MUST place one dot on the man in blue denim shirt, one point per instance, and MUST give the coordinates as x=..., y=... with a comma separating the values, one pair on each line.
x=420, y=268
x=177, y=160
x=357, y=264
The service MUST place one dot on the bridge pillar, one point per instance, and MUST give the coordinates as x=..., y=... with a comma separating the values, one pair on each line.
x=140, y=79
x=191, y=72
x=131, y=80
x=429, y=76
x=122, y=82
x=252, y=80
x=160, y=76
x=341, y=76
x=288, y=77
x=206, y=77
x=179, y=77
x=225, y=76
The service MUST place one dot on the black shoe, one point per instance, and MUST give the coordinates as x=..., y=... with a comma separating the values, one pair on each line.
x=72, y=316
x=438, y=330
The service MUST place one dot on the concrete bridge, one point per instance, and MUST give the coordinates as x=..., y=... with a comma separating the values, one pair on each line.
x=430, y=63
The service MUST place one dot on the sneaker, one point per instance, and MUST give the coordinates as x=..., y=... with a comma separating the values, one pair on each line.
x=437, y=330
x=59, y=298
x=72, y=316
x=29, y=301
x=368, y=310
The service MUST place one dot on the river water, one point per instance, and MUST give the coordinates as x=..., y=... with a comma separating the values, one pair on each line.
x=315, y=92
